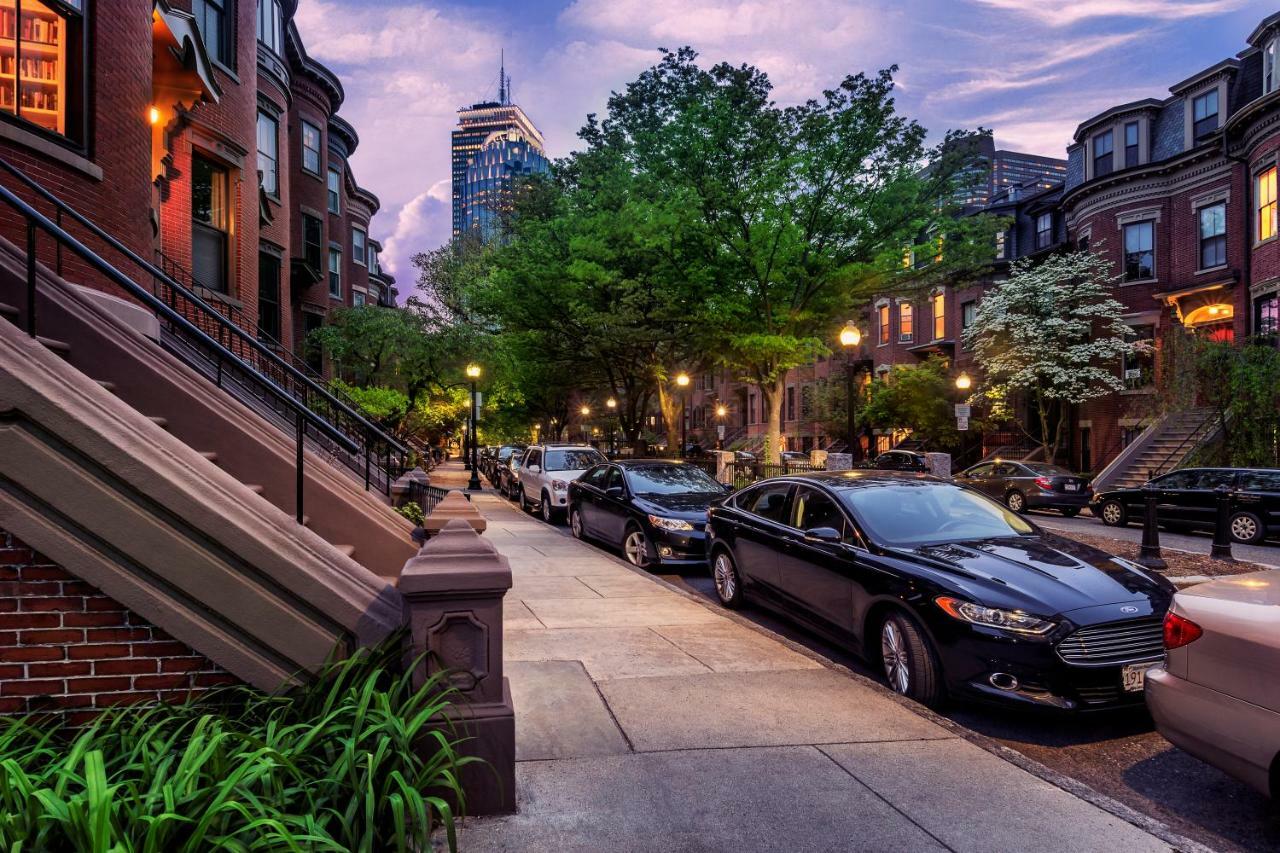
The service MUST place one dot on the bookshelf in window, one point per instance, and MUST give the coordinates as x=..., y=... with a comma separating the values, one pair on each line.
x=33, y=63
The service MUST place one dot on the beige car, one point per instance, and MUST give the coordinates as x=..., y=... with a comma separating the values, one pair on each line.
x=1217, y=695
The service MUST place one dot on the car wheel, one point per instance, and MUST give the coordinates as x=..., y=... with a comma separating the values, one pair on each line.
x=910, y=664
x=1246, y=528
x=1113, y=514
x=1070, y=511
x=635, y=547
x=548, y=509
x=525, y=503
x=575, y=523
x=728, y=584
x=1016, y=501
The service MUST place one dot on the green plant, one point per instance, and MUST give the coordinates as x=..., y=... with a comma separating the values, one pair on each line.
x=356, y=760
x=413, y=512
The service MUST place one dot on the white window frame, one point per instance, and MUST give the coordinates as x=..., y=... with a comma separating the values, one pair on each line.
x=269, y=176
x=333, y=197
x=360, y=248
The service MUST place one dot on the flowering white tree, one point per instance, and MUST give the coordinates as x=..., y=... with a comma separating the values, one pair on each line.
x=1053, y=333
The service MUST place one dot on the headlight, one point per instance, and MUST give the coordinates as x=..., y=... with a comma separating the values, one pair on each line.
x=669, y=523
x=994, y=617
x=559, y=485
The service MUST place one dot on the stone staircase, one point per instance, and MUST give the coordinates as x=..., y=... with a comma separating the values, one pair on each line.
x=1164, y=449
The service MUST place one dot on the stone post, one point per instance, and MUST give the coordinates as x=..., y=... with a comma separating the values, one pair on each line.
x=454, y=506
x=402, y=488
x=453, y=590
x=839, y=461
x=818, y=459
x=724, y=459
x=939, y=464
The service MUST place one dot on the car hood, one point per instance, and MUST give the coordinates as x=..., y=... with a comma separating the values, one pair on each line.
x=686, y=506
x=1046, y=574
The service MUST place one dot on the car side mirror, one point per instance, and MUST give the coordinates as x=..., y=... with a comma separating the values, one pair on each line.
x=615, y=491
x=823, y=534
x=728, y=487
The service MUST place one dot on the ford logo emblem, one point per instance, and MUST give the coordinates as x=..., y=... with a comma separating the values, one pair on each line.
x=1128, y=608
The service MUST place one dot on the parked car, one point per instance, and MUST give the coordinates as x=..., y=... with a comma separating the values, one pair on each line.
x=653, y=509
x=945, y=589
x=1185, y=499
x=897, y=460
x=792, y=457
x=1217, y=695
x=546, y=473
x=1029, y=485
x=498, y=461
x=508, y=474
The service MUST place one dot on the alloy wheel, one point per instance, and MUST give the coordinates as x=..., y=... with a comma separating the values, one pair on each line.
x=726, y=580
x=636, y=549
x=575, y=523
x=1015, y=501
x=893, y=651
x=546, y=508
x=1111, y=512
x=1244, y=528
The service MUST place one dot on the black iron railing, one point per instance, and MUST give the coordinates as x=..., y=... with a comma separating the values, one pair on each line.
x=257, y=370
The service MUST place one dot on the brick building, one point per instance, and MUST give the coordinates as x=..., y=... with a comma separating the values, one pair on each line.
x=200, y=134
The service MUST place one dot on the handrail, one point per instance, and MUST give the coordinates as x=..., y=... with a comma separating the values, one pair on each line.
x=1196, y=437
x=218, y=317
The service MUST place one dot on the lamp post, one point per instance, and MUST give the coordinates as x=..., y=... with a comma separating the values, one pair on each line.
x=963, y=384
x=473, y=485
x=850, y=337
x=585, y=411
x=612, y=405
x=721, y=411
x=682, y=380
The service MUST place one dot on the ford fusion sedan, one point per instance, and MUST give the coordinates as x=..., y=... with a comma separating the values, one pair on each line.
x=655, y=510
x=1217, y=695
x=946, y=590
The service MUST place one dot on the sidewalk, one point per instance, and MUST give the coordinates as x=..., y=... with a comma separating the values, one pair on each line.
x=647, y=720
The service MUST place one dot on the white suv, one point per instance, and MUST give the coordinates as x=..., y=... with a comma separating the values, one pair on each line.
x=546, y=473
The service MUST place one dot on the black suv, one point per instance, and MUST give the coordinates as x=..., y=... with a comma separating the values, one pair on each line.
x=1186, y=499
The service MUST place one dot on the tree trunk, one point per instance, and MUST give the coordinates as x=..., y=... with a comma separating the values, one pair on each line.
x=670, y=405
x=772, y=394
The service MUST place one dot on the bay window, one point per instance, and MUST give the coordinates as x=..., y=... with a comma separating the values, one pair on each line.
x=271, y=26
x=269, y=154
x=358, y=245
x=1265, y=193
x=43, y=61
x=1213, y=236
x=335, y=191
x=310, y=148
x=335, y=273
x=1139, y=251
x=1103, y=146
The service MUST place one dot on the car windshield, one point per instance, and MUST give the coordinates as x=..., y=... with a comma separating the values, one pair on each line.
x=1047, y=470
x=904, y=515
x=572, y=460
x=671, y=480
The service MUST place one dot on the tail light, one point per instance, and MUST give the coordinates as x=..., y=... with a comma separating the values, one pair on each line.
x=1044, y=483
x=1180, y=631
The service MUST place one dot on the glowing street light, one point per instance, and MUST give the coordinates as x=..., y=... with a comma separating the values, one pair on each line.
x=612, y=405
x=473, y=485
x=850, y=337
x=963, y=382
x=682, y=380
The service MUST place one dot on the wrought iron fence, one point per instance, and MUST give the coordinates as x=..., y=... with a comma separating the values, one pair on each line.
x=741, y=474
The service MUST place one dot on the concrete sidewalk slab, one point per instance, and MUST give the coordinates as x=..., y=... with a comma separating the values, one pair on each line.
x=543, y=566
x=658, y=609
x=553, y=586
x=730, y=647
x=724, y=709
x=1005, y=807
x=790, y=799
x=620, y=585
x=605, y=652
x=559, y=713
x=516, y=617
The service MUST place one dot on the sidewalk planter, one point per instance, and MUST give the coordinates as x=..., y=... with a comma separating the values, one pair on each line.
x=453, y=591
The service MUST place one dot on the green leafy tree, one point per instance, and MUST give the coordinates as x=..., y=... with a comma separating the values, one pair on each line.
x=1242, y=385
x=1052, y=334
x=918, y=397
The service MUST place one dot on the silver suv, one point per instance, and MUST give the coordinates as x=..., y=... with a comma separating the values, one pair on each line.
x=546, y=473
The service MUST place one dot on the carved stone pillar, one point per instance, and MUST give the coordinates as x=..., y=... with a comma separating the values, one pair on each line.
x=454, y=506
x=453, y=590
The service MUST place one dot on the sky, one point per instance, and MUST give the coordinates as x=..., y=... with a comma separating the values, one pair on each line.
x=1030, y=70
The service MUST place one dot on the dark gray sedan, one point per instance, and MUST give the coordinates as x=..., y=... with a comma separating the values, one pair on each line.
x=1029, y=485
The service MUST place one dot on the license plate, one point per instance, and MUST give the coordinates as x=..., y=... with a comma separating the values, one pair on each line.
x=1071, y=487
x=1134, y=675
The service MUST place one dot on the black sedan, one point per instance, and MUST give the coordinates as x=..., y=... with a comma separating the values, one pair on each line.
x=654, y=509
x=1186, y=499
x=898, y=460
x=1029, y=485
x=947, y=590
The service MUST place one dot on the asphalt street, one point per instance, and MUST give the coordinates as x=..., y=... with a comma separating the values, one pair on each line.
x=1196, y=543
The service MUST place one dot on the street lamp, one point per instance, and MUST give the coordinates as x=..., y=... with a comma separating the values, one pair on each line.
x=850, y=337
x=473, y=485
x=682, y=380
x=963, y=382
x=721, y=411
x=612, y=405
x=585, y=411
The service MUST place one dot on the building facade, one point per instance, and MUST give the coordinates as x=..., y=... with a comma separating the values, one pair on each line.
x=201, y=135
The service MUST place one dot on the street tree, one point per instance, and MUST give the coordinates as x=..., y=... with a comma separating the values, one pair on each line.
x=783, y=218
x=1053, y=335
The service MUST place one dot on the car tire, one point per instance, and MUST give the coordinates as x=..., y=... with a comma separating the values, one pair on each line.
x=1016, y=501
x=724, y=572
x=575, y=523
x=1070, y=511
x=1246, y=528
x=525, y=503
x=635, y=547
x=1113, y=514
x=909, y=662
x=548, y=510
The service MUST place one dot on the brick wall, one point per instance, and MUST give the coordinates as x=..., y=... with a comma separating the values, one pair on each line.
x=66, y=647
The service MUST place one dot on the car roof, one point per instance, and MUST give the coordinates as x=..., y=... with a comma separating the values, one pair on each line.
x=648, y=463
x=860, y=477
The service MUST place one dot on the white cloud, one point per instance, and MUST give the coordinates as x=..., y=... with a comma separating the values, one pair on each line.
x=1064, y=13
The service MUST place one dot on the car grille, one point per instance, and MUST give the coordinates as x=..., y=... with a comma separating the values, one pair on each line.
x=1098, y=695
x=1118, y=642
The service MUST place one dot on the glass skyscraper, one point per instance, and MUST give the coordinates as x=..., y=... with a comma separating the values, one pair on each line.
x=487, y=189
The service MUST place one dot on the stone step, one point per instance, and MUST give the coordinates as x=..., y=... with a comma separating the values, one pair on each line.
x=255, y=488
x=163, y=423
x=347, y=550
x=210, y=456
x=109, y=387
x=58, y=348
x=9, y=312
